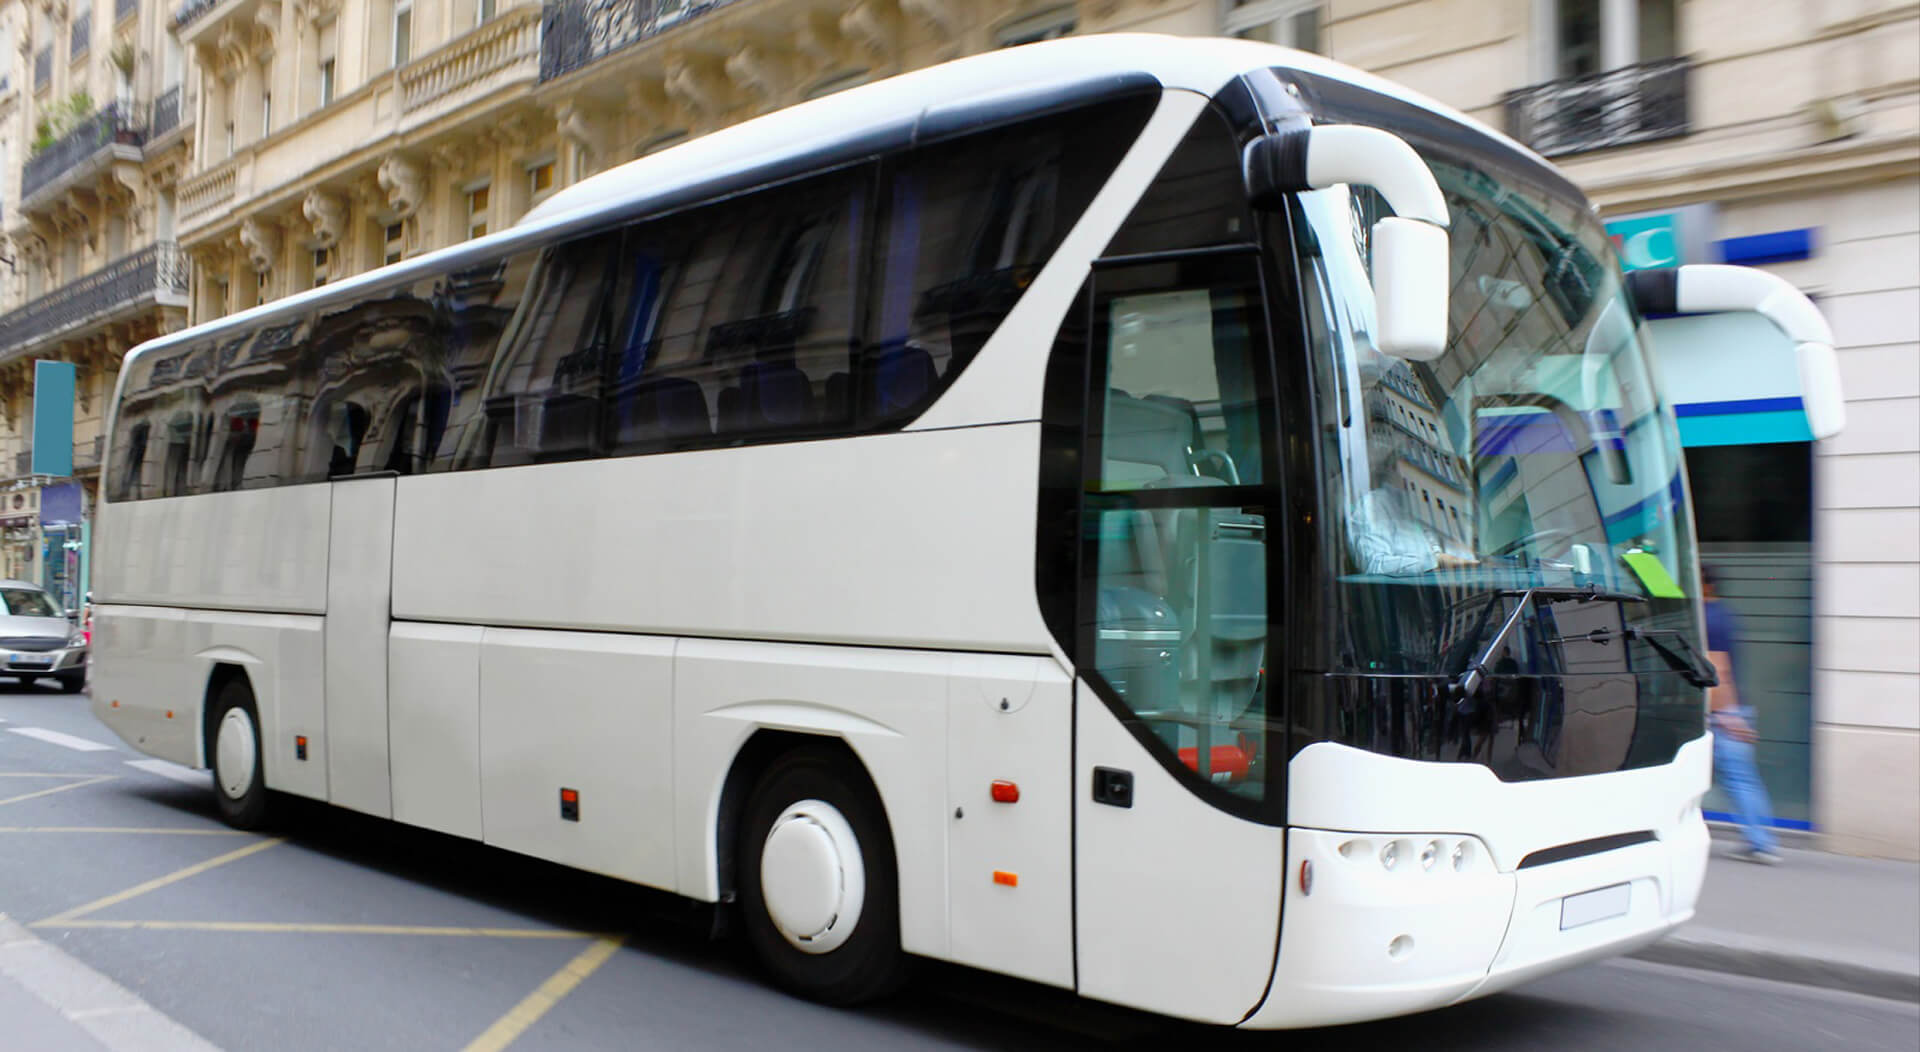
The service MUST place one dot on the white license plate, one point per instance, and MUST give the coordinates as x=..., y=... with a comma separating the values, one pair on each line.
x=1593, y=906
x=30, y=659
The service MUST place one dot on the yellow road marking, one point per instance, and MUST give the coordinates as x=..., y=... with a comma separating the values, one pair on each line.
x=122, y=830
x=536, y=1004
x=283, y=927
x=158, y=882
x=82, y=784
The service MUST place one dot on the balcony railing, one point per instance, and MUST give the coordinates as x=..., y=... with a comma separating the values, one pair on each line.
x=577, y=33
x=499, y=43
x=160, y=267
x=166, y=113
x=191, y=10
x=1627, y=105
x=109, y=126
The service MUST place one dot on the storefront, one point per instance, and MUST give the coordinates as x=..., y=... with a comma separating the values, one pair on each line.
x=1750, y=464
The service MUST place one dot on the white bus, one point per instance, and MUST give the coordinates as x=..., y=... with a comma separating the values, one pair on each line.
x=1059, y=512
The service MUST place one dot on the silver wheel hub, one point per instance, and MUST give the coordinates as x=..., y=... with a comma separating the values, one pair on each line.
x=812, y=876
x=235, y=753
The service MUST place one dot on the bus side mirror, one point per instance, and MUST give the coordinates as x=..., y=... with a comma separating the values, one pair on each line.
x=1411, y=262
x=1714, y=288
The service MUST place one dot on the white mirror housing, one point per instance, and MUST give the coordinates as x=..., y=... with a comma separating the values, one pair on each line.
x=1411, y=258
x=1712, y=288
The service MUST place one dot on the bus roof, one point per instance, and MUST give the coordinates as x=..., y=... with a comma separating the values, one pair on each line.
x=1008, y=79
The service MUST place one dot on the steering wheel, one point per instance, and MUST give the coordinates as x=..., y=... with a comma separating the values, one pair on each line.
x=1541, y=540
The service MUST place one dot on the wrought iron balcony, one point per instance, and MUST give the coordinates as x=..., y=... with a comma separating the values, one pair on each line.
x=111, y=125
x=166, y=113
x=160, y=267
x=191, y=10
x=577, y=33
x=1632, y=104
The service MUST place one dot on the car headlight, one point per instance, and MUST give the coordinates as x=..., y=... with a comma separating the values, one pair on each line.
x=78, y=639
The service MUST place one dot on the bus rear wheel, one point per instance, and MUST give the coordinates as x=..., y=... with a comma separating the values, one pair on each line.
x=817, y=883
x=239, y=778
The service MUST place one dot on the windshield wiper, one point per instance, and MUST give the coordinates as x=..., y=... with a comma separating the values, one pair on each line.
x=1467, y=683
x=1691, y=666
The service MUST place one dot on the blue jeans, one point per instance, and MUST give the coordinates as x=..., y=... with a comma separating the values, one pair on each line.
x=1734, y=768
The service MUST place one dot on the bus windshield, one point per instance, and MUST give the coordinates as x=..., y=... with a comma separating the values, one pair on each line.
x=1535, y=452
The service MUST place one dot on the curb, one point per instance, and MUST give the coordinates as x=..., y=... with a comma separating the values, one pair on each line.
x=1889, y=977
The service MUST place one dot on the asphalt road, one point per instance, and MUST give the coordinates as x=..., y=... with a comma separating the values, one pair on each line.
x=336, y=931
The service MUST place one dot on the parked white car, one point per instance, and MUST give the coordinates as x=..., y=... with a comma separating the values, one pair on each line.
x=38, y=640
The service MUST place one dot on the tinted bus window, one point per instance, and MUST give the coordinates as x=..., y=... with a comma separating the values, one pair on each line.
x=970, y=222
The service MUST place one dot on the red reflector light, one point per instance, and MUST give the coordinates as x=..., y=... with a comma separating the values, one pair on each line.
x=569, y=796
x=1005, y=792
x=1001, y=876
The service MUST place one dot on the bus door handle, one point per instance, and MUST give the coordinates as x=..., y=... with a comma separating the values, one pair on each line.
x=1113, y=787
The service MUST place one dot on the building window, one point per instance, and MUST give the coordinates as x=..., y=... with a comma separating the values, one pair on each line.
x=266, y=114
x=230, y=141
x=539, y=180
x=484, y=10
x=1050, y=24
x=1593, y=36
x=1289, y=23
x=322, y=266
x=402, y=33
x=326, y=82
x=477, y=211
x=396, y=243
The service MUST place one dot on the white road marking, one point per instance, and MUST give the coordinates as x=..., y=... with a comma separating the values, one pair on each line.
x=64, y=740
x=166, y=769
x=92, y=1004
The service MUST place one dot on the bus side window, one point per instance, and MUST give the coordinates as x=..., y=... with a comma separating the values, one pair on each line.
x=969, y=222
x=547, y=367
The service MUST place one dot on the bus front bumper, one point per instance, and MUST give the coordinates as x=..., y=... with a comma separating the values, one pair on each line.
x=1449, y=920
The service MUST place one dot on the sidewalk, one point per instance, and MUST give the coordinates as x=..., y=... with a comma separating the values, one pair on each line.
x=50, y=1001
x=1816, y=918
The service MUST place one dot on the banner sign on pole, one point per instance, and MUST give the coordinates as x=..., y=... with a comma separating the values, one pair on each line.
x=53, y=384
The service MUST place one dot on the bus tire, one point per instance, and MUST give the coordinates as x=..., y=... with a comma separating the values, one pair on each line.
x=821, y=826
x=234, y=753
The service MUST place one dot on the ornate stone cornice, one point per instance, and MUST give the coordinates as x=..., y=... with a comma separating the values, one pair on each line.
x=260, y=240
x=326, y=212
x=404, y=184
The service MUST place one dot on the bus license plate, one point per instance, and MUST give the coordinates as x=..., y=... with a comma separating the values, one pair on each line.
x=1591, y=906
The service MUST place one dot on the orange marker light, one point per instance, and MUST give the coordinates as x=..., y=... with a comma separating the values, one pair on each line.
x=116, y=703
x=1005, y=792
x=169, y=714
x=1001, y=876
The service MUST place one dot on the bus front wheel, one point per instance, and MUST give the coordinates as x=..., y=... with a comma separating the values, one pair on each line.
x=239, y=782
x=817, y=887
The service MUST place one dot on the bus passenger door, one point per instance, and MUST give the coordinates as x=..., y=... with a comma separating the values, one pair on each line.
x=359, y=608
x=1177, y=780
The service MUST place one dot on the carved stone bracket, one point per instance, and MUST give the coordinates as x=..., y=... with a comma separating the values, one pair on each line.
x=756, y=72
x=585, y=127
x=695, y=84
x=326, y=212
x=874, y=25
x=403, y=183
x=260, y=241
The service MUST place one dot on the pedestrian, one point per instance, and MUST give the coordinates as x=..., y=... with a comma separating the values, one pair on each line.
x=1733, y=734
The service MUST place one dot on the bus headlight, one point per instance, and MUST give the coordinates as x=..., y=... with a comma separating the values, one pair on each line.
x=1462, y=854
x=1429, y=854
x=1390, y=855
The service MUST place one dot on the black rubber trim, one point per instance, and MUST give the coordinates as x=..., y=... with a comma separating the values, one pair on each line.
x=945, y=120
x=1547, y=856
x=1656, y=290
